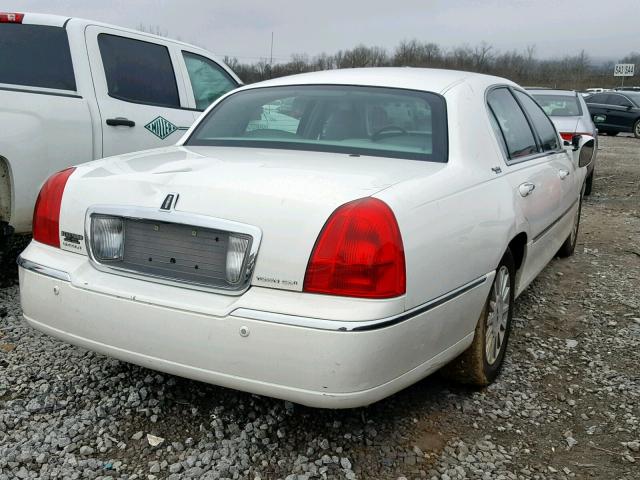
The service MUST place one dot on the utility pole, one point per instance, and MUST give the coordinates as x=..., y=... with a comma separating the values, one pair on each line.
x=271, y=57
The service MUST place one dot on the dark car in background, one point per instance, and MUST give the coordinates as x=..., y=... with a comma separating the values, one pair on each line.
x=615, y=112
x=570, y=115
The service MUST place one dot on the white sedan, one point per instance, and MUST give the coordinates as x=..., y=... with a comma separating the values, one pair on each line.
x=327, y=238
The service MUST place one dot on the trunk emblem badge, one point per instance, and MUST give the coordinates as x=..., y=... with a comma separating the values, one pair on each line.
x=169, y=202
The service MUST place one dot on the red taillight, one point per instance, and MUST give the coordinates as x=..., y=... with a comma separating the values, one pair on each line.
x=11, y=17
x=568, y=136
x=359, y=253
x=46, y=215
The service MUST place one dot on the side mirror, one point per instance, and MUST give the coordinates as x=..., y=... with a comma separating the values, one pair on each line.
x=586, y=153
x=629, y=107
x=575, y=142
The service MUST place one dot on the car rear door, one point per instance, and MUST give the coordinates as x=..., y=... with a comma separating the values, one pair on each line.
x=597, y=105
x=532, y=173
x=142, y=98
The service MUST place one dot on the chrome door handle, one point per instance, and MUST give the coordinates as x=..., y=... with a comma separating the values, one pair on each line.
x=563, y=174
x=526, y=188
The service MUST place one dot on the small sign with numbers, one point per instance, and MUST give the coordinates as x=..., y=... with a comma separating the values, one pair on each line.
x=623, y=70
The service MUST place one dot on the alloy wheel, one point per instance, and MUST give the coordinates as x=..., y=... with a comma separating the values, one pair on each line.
x=498, y=315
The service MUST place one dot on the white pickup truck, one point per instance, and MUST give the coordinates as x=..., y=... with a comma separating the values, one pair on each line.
x=74, y=90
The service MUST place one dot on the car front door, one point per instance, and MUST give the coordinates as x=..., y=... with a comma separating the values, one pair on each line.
x=621, y=112
x=143, y=103
x=533, y=176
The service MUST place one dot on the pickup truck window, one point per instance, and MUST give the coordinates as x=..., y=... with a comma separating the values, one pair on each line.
x=209, y=81
x=138, y=72
x=513, y=124
x=542, y=123
x=35, y=56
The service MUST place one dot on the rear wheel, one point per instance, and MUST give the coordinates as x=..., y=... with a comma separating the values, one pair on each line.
x=480, y=364
x=589, y=184
x=569, y=245
x=636, y=129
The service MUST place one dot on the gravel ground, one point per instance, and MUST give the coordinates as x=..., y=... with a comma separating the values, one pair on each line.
x=566, y=405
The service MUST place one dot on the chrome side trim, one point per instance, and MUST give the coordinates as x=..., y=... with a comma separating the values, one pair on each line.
x=357, y=326
x=554, y=223
x=178, y=217
x=43, y=270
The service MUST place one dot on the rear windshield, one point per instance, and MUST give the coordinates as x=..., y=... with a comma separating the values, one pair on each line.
x=35, y=56
x=559, y=105
x=386, y=122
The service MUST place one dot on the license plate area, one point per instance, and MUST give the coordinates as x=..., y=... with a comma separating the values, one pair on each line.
x=181, y=252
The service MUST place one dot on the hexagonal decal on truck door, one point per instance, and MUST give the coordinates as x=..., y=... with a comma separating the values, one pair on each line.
x=161, y=127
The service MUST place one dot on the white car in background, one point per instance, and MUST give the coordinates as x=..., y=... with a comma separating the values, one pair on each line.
x=332, y=264
x=74, y=90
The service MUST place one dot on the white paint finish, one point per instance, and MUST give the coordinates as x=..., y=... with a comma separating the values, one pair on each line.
x=39, y=135
x=456, y=220
x=42, y=133
x=351, y=369
x=287, y=195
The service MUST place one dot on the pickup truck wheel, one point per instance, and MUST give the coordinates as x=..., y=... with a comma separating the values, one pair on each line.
x=480, y=364
x=636, y=129
x=569, y=245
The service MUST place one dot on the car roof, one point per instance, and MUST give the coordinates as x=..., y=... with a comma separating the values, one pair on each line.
x=32, y=18
x=550, y=91
x=426, y=79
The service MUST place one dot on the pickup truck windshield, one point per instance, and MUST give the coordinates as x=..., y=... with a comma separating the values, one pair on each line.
x=35, y=56
x=355, y=120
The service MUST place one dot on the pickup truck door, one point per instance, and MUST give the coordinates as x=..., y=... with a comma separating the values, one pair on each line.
x=141, y=96
x=205, y=78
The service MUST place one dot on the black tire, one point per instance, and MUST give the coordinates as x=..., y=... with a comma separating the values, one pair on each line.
x=589, y=183
x=476, y=366
x=636, y=129
x=569, y=245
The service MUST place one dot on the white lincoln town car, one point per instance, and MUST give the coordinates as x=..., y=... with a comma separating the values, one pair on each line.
x=327, y=238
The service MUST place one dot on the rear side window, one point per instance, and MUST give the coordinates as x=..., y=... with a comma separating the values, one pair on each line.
x=598, y=98
x=209, y=81
x=139, y=72
x=35, y=56
x=544, y=126
x=513, y=124
x=620, y=101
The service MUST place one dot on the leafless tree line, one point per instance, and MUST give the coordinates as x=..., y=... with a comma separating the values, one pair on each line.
x=571, y=71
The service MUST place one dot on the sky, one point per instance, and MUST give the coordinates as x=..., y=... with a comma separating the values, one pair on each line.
x=243, y=28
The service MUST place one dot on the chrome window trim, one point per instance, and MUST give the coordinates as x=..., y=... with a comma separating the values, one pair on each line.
x=43, y=269
x=354, y=326
x=503, y=147
x=174, y=216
